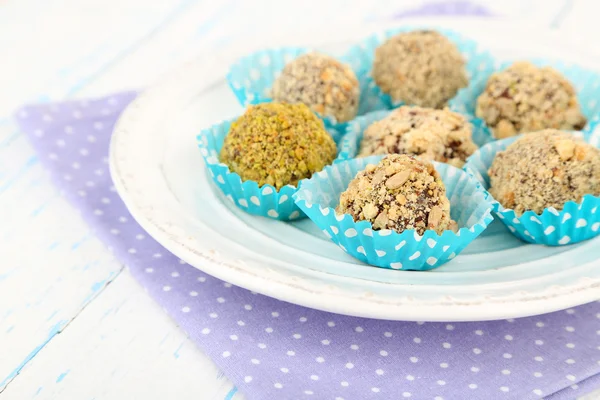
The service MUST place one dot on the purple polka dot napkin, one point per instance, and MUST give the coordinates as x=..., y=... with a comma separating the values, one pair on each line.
x=272, y=349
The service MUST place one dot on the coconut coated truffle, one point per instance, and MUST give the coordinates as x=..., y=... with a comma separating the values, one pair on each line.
x=399, y=193
x=324, y=84
x=526, y=98
x=440, y=135
x=277, y=144
x=421, y=68
x=545, y=169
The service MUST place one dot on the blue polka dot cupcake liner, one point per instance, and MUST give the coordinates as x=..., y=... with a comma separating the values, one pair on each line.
x=320, y=194
x=350, y=143
x=574, y=223
x=252, y=77
x=263, y=200
x=586, y=83
x=361, y=56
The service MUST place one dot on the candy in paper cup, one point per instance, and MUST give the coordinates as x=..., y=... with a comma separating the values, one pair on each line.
x=586, y=83
x=319, y=195
x=574, y=223
x=361, y=56
x=263, y=200
x=350, y=143
x=252, y=77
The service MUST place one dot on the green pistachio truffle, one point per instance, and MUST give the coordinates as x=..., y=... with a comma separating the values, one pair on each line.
x=277, y=144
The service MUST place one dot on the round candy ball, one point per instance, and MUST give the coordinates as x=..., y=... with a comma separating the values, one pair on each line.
x=324, y=84
x=440, y=135
x=277, y=144
x=399, y=193
x=544, y=169
x=421, y=68
x=526, y=98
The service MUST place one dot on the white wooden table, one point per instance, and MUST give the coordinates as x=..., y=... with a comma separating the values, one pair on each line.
x=73, y=322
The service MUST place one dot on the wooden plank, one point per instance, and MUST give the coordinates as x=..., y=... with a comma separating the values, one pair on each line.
x=123, y=346
x=50, y=48
x=52, y=264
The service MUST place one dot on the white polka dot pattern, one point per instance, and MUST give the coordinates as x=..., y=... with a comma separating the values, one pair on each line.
x=270, y=348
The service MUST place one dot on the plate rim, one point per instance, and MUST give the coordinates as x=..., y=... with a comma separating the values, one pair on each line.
x=327, y=298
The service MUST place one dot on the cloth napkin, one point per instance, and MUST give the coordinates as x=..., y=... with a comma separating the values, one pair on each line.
x=273, y=349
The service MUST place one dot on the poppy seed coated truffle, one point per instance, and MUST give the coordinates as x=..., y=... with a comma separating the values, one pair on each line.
x=325, y=85
x=544, y=169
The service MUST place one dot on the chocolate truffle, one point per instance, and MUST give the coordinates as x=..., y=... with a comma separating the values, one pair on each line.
x=526, y=98
x=324, y=84
x=440, y=135
x=544, y=169
x=399, y=193
x=421, y=68
x=277, y=144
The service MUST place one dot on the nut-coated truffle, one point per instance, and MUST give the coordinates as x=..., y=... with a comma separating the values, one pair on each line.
x=324, y=84
x=544, y=169
x=525, y=98
x=439, y=135
x=420, y=68
x=399, y=193
x=277, y=144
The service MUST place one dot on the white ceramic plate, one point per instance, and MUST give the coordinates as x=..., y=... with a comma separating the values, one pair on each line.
x=159, y=173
